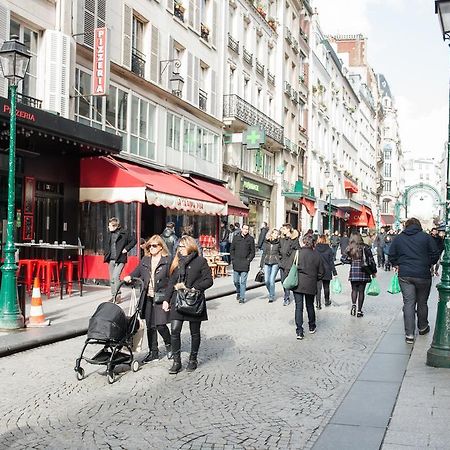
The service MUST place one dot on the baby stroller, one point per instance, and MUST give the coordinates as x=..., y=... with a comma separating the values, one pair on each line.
x=109, y=326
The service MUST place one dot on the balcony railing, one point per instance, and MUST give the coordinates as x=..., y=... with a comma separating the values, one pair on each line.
x=138, y=62
x=232, y=44
x=295, y=45
x=288, y=35
x=287, y=88
x=259, y=68
x=29, y=101
x=270, y=78
x=235, y=106
x=291, y=146
x=202, y=99
x=294, y=96
x=303, y=35
x=248, y=57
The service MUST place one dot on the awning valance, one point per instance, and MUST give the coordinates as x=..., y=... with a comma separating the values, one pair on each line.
x=350, y=186
x=363, y=218
x=105, y=179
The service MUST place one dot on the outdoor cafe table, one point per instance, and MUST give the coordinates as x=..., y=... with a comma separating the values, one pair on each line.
x=60, y=250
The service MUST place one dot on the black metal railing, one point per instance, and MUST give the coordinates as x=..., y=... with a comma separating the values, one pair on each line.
x=138, y=62
x=259, y=68
x=29, y=101
x=202, y=100
x=237, y=107
x=248, y=57
x=271, y=78
x=287, y=88
x=233, y=44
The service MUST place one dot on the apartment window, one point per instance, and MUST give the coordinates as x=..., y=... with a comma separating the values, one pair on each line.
x=173, y=134
x=385, y=207
x=116, y=110
x=137, y=55
x=387, y=186
x=247, y=96
x=30, y=40
x=387, y=154
x=88, y=109
x=202, y=92
x=387, y=170
x=142, y=128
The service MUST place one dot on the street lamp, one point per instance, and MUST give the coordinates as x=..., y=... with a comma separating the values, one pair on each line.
x=330, y=191
x=439, y=353
x=14, y=60
x=397, y=207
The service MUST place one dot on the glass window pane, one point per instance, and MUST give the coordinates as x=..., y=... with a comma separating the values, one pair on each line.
x=84, y=89
x=143, y=119
x=199, y=142
x=143, y=148
x=14, y=29
x=169, y=133
x=122, y=106
x=134, y=145
x=111, y=107
x=151, y=122
x=151, y=150
x=177, y=133
x=134, y=114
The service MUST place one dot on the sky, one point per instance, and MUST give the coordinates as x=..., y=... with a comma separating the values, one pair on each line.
x=405, y=44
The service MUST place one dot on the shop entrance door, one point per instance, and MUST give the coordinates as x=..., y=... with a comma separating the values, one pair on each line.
x=48, y=212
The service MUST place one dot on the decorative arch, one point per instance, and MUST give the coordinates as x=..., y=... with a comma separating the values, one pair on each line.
x=420, y=187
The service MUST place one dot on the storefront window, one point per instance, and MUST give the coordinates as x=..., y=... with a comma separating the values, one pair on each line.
x=94, y=224
x=203, y=225
x=142, y=139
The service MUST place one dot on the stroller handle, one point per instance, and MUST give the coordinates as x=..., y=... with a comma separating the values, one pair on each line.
x=134, y=283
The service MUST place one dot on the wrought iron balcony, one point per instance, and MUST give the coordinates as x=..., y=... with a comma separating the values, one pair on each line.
x=202, y=99
x=248, y=57
x=233, y=44
x=29, y=101
x=236, y=107
x=294, y=45
x=288, y=35
x=270, y=78
x=259, y=68
x=287, y=88
x=138, y=62
x=303, y=35
x=294, y=96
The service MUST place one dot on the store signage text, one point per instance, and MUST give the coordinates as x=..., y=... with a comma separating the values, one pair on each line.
x=20, y=114
x=100, y=69
x=190, y=204
x=251, y=186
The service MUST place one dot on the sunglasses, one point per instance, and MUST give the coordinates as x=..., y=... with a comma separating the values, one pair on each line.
x=181, y=246
x=154, y=245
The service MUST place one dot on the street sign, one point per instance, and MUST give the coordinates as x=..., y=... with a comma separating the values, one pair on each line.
x=254, y=137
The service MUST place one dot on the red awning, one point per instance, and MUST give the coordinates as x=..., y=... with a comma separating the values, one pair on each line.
x=350, y=186
x=221, y=193
x=309, y=205
x=104, y=179
x=358, y=218
x=387, y=219
x=370, y=220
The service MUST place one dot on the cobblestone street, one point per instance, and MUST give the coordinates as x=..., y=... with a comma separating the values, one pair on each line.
x=256, y=387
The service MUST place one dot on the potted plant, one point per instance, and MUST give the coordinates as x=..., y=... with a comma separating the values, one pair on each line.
x=261, y=11
x=179, y=6
x=272, y=23
x=204, y=32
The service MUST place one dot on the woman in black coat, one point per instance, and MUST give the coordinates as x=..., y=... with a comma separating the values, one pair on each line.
x=327, y=255
x=153, y=270
x=310, y=271
x=270, y=261
x=191, y=271
x=289, y=244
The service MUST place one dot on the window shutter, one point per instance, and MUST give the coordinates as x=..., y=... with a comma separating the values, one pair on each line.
x=89, y=22
x=214, y=23
x=197, y=18
x=154, y=58
x=196, y=80
x=191, y=13
x=190, y=73
x=4, y=35
x=57, y=72
x=101, y=13
x=126, y=36
x=213, y=101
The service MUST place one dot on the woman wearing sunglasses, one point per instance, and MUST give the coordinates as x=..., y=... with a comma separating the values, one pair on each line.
x=187, y=271
x=153, y=270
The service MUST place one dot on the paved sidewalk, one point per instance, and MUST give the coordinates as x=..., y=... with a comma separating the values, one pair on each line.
x=421, y=417
x=69, y=317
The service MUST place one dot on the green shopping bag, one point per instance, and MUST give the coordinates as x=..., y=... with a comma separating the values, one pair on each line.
x=394, y=286
x=373, y=288
x=291, y=281
x=336, y=286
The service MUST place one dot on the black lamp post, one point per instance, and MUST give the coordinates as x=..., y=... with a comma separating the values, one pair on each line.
x=14, y=60
x=439, y=353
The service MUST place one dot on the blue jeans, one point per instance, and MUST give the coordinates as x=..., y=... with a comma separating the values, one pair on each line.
x=270, y=272
x=240, y=282
x=225, y=248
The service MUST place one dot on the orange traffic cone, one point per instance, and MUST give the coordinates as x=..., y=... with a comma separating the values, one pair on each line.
x=37, y=317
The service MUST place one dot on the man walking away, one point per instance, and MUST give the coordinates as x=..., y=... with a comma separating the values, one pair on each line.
x=379, y=245
x=262, y=235
x=224, y=243
x=343, y=244
x=118, y=244
x=335, y=241
x=169, y=237
x=242, y=252
x=413, y=253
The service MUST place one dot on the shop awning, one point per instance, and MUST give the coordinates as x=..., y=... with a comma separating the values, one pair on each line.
x=350, y=186
x=387, y=219
x=358, y=218
x=370, y=219
x=309, y=205
x=105, y=179
x=221, y=193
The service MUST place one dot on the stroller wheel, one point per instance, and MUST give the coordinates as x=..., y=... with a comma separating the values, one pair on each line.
x=135, y=365
x=111, y=377
x=80, y=374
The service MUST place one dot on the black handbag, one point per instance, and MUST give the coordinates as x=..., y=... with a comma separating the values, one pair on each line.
x=158, y=298
x=260, y=276
x=368, y=264
x=190, y=302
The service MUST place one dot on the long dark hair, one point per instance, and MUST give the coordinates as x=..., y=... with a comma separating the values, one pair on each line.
x=355, y=246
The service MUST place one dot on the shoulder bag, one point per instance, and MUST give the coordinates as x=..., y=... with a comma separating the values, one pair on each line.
x=158, y=297
x=189, y=301
x=291, y=281
x=368, y=264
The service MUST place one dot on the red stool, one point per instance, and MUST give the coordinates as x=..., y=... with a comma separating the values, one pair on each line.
x=48, y=273
x=27, y=268
x=70, y=267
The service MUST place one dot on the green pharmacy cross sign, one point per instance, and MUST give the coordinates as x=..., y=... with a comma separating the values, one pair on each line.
x=254, y=137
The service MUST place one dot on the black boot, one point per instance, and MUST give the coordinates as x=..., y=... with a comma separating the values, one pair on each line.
x=152, y=356
x=169, y=351
x=318, y=305
x=176, y=366
x=192, y=364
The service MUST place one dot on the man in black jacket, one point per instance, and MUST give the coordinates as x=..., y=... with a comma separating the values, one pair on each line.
x=413, y=253
x=242, y=252
x=118, y=244
x=262, y=235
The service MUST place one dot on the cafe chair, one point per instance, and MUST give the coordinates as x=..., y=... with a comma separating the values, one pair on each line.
x=70, y=268
x=221, y=267
x=213, y=267
x=26, y=271
x=48, y=273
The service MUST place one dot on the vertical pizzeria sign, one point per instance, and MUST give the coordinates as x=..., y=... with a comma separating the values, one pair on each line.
x=100, y=69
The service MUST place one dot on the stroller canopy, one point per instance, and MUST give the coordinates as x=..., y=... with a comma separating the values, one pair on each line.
x=108, y=323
